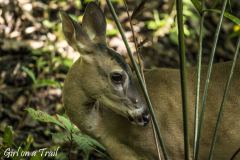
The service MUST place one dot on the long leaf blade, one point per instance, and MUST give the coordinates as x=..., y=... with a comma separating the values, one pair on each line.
x=209, y=71
x=183, y=76
x=231, y=17
x=43, y=117
x=198, y=81
x=226, y=91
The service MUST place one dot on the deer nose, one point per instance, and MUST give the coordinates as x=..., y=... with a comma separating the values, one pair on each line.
x=146, y=118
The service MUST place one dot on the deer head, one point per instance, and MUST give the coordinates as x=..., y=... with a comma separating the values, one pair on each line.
x=101, y=76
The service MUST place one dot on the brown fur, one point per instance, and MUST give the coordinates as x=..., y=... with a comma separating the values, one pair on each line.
x=92, y=105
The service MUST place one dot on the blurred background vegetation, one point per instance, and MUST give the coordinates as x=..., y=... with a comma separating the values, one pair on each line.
x=35, y=58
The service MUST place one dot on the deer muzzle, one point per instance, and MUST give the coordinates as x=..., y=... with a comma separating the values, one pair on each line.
x=139, y=116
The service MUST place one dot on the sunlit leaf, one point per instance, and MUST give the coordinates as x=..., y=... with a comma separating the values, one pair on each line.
x=88, y=1
x=67, y=62
x=29, y=141
x=46, y=83
x=74, y=17
x=112, y=32
x=48, y=24
x=78, y=4
x=43, y=116
x=68, y=124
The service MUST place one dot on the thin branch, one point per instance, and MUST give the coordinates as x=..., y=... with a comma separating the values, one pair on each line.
x=133, y=34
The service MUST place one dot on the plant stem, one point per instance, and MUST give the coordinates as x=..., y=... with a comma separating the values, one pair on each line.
x=182, y=56
x=141, y=69
x=198, y=80
x=134, y=37
x=160, y=139
x=201, y=117
x=226, y=90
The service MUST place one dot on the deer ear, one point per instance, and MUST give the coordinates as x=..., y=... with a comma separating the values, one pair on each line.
x=94, y=23
x=74, y=34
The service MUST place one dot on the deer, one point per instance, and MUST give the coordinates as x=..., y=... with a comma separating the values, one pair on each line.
x=103, y=98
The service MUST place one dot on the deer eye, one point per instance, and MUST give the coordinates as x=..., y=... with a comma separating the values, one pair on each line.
x=117, y=78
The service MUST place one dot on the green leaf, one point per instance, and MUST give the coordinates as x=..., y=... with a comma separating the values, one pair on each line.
x=43, y=117
x=86, y=143
x=68, y=124
x=37, y=157
x=78, y=4
x=59, y=120
x=112, y=32
x=8, y=136
x=61, y=156
x=46, y=82
x=30, y=73
x=67, y=62
x=17, y=156
x=29, y=141
x=74, y=17
x=231, y=17
x=48, y=24
x=60, y=137
x=197, y=5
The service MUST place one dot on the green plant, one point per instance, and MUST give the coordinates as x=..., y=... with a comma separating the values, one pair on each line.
x=10, y=150
x=70, y=134
x=39, y=82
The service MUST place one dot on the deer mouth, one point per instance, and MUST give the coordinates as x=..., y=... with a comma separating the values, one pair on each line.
x=139, y=116
x=136, y=113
